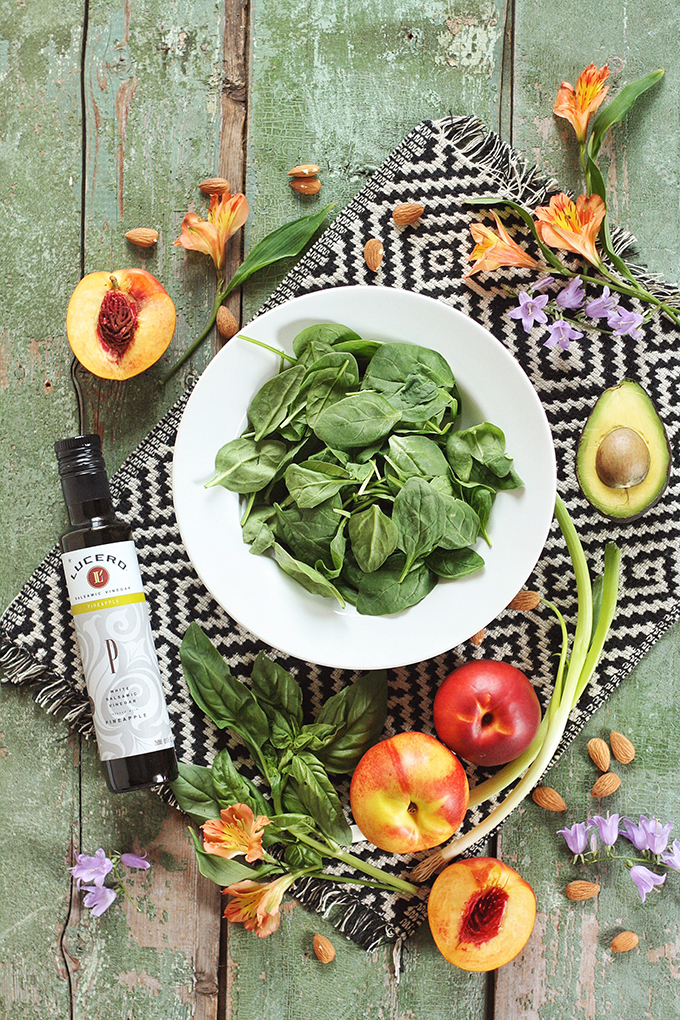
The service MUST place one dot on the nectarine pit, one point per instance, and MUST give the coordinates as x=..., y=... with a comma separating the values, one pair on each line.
x=117, y=321
x=483, y=916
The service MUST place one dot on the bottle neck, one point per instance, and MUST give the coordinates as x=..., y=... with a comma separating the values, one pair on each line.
x=80, y=514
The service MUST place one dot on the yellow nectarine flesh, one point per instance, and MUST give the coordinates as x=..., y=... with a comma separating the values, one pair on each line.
x=119, y=324
x=481, y=913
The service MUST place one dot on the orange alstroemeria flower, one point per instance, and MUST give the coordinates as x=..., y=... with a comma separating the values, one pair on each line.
x=238, y=831
x=494, y=250
x=572, y=226
x=226, y=215
x=577, y=105
x=257, y=904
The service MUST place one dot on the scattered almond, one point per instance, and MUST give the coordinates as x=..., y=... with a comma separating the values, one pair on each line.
x=581, y=890
x=548, y=798
x=606, y=784
x=227, y=325
x=622, y=749
x=407, y=212
x=304, y=170
x=306, y=186
x=373, y=253
x=525, y=601
x=599, y=752
x=624, y=942
x=143, y=237
x=214, y=186
x=478, y=638
x=324, y=948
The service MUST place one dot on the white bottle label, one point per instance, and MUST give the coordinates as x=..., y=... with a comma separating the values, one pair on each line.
x=112, y=624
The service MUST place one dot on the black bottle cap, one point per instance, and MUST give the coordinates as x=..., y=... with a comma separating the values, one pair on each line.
x=82, y=469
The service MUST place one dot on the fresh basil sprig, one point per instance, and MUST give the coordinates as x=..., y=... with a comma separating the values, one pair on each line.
x=293, y=757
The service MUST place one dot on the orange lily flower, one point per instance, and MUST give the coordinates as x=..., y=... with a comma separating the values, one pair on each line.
x=257, y=904
x=494, y=250
x=226, y=215
x=237, y=832
x=572, y=226
x=577, y=105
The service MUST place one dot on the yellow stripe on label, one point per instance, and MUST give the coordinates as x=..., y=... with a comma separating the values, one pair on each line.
x=110, y=603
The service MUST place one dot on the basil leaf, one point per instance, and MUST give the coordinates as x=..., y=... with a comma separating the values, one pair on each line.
x=195, y=793
x=222, y=870
x=454, y=563
x=245, y=466
x=233, y=788
x=359, y=712
x=269, y=407
x=307, y=576
x=315, y=735
x=317, y=794
x=295, y=823
x=373, y=536
x=223, y=698
x=297, y=855
x=277, y=690
x=383, y=591
x=420, y=516
x=357, y=420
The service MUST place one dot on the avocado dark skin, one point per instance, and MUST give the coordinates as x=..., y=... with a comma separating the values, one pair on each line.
x=623, y=460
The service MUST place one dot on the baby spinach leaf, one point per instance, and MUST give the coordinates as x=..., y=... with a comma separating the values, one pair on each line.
x=227, y=701
x=313, y=482
x=309, y=532
x=269, y=407
x=394, y=363
x=462, y=524
x=259, y=529
x=420, y=516
x=318, y=796
x=480, y=475
x=246, y=466
x=195, y=793
x=305, y=575
x=382, y=592
x=483, y=444
x=359, y=348
x=481, y=501
x=417, y=456
x=276, y=688
x=357, y=420
x=328, y=381
x=233, y=788
x=453, y=563
x=325, y=332
x=373, y=536
x=359, y=712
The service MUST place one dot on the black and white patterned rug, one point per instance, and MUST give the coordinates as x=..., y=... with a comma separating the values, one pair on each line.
x=438, y=164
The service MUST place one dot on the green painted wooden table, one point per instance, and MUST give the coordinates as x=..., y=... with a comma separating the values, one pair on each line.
x=113, y=111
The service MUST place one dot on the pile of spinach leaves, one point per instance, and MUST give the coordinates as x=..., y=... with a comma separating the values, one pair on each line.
x=355, y=475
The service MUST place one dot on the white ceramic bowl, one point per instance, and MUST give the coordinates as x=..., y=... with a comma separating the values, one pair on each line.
x=256, y=593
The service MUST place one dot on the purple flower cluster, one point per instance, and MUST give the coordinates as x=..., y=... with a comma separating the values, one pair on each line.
x=572, y=298
x=648, y=836
x=90, y=874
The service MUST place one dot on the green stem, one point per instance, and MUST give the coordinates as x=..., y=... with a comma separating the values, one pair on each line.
x=390, y=881
x=351, y=881
x=610, y=591
x=221, y=295
x=274, y=350
x=636, y=292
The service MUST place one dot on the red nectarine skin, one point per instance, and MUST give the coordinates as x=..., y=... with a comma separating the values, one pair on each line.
x=481, y=913
x=409, y=793
x=487, y=712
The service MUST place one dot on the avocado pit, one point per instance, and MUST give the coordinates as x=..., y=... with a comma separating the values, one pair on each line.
x=622, y=459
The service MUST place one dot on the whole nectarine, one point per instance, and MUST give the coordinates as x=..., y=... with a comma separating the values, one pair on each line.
x=409, y=793
x=481, y=913
x=118, y=324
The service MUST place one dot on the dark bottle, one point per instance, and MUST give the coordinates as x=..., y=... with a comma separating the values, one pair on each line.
x=112, y=624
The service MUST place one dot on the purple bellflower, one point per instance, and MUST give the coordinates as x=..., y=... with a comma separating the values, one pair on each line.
x=657, y=834
x=602, y=307
x=645, y=880
x=625, y=323
x=635, y=833
x=98, y=898
x=530, y=310
x=134, y=861
x=671, y=858
x=560, y=334
x=608, y=828
x=543, y=284
x=575, y=837
x=573, y=295
x=91, y=869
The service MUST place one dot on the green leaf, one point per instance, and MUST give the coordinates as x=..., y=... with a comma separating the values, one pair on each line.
x=221, y=870
x=383, y=591
x=195, y=792
x=295, y=823
x=227, y=701
x=308, y=577
x=313, y=482
x=317, y=794
x=259, y=530
x=233, y=788
x=357, y=420
x=373, y=536
x=277, y=690
x=245, y=466
x=617, y=109
x=454, y=563
x=416, y=456
x=309, y=533
x=269, y=407
x=282, y=243
x=598, y=187
x=462, y=524
x=420, y=516
x=358, y=712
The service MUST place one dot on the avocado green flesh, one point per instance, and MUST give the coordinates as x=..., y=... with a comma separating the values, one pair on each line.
x=625, y=406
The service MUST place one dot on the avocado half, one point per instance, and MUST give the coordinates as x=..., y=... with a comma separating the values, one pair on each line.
x=623, y=460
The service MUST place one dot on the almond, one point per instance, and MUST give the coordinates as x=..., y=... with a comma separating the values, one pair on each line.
x=524, y=601
x=548, y=798
x=599, y=752
x=143, y=237
x=606, y=784
x=227, y=325
x=624, y=942
x=214, y=186
x=622, y=749
x=407, y=212
x=304, y=170
x=324, y=948
x=373, y=253
x=306, y=185
x=478, y=638
x=581, y=890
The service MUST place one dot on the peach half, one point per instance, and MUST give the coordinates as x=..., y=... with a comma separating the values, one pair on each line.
x=481, y=913
x=118, y=324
